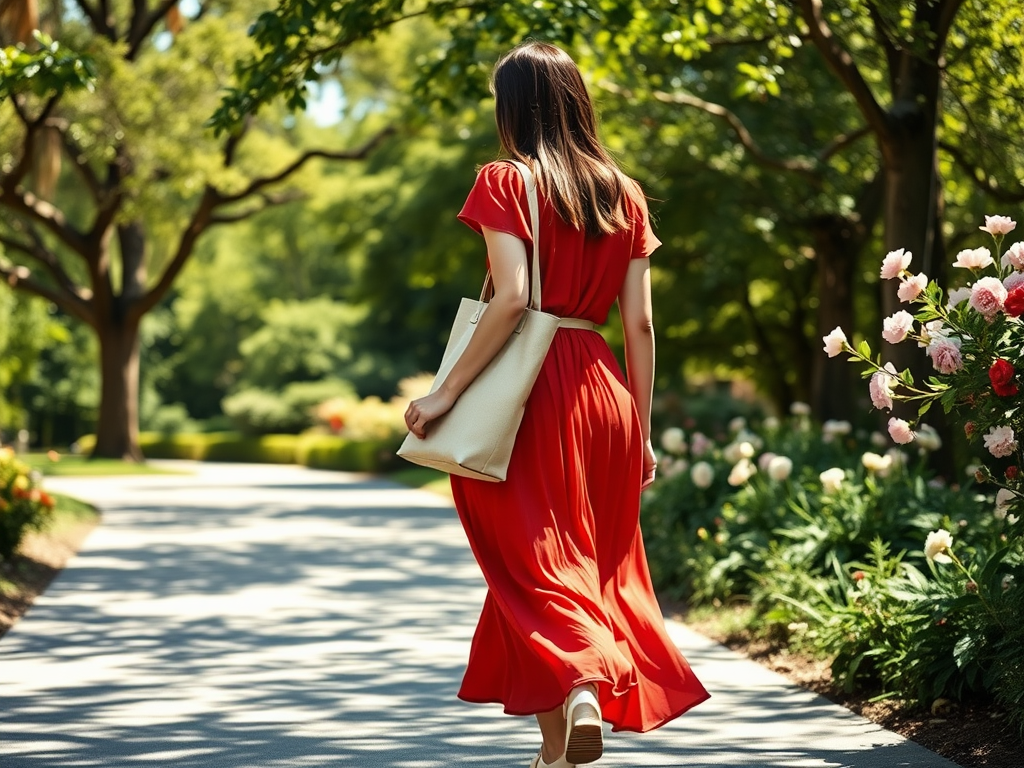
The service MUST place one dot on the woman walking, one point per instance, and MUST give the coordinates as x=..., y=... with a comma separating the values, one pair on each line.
x=570, y=630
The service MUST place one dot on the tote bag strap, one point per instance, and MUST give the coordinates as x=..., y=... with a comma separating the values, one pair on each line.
x=531, y=194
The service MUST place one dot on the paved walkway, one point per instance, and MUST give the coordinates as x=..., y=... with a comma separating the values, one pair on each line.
x=255, y=616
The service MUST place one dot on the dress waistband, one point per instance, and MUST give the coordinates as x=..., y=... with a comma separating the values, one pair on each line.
x=577, y=322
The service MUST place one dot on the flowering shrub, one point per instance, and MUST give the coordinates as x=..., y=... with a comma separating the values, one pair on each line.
x=837, y=539
x=974, y=337
x=23, y=505
x=371, y=418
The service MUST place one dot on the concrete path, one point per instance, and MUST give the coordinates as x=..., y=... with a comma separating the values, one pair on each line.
x=255, y=616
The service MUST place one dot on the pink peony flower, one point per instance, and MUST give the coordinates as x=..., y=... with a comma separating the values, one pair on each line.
x=900, y=431
x=931, y=332
x=998, y=225
x=835, y=342
x=945, y=354
x=1013, y=280
x=880, y=387
x=911, y=287
x=896, y=328
x=1014, y=256
x=987, y=296
x=894, y=263
x=1000, y=442
x=957, y=295
x=976, y=258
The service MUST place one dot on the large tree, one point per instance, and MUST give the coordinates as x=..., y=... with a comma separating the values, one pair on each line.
x=910, y=79
x=148, y=178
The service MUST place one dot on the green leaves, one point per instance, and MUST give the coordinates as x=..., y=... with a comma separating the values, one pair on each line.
x=51, y=70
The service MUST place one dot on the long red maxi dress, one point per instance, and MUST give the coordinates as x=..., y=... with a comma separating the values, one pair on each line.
x=569, y=593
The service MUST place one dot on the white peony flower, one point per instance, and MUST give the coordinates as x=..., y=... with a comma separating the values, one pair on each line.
x=780, y=468
x=879, y=440
x=737, y=424
x=998, y=225
x=1014, y=257
x=911, y=287
x=896, y=327
x=832, y=480
x=973, y=258
x=834, y=427
x=673, y=440
x=1000, y=441
x=800, y=409
x=878, y=464
x=928, y=438
x=936, y=546
x=898, y=457
x=894, y=263
x=835, y=342
x=742, y=472
x=702, y=474
x=958, y=295
x=771, y=423
x=764, y=460
x=900, y=431
x=700, y=444
x=1004, y=500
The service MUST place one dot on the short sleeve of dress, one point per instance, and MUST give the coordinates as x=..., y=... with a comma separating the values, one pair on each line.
x=498, y=201
x=644, y=239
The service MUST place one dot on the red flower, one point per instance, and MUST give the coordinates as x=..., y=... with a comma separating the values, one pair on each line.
x=46, y=499
x=859, y=575
x=1001, y=375
x=1014, y=304
x=969, y=428
x=1012, y=471
x=336, y=422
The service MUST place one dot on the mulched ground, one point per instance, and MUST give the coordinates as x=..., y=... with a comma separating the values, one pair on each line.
x=41, y=557
x=971, y=736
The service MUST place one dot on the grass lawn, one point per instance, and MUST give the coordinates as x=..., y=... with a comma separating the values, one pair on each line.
x=425, y=478
x=70, y=465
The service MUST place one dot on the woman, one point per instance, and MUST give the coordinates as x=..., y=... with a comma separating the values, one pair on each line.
x=570, y=629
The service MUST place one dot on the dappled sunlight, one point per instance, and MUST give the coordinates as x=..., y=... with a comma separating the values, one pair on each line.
x=275, y=616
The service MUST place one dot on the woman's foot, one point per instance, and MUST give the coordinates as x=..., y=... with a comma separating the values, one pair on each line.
x=538, y=762
x=584, y=739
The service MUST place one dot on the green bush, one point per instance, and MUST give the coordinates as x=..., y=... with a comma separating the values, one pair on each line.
x=258, y=411
x=330, y=452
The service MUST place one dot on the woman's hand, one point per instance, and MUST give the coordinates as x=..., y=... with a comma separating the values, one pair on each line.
x=424, y=410
x=650, y=465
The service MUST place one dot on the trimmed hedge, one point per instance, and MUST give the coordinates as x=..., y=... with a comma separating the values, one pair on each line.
x=311, y=450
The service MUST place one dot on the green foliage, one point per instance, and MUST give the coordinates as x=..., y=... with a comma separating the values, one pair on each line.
x=259, y=411
x=49, y=71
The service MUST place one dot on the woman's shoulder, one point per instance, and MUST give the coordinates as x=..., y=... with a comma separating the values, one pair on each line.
x=500, y=173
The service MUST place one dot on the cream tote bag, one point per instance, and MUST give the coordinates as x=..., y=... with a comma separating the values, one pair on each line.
x=475, y=438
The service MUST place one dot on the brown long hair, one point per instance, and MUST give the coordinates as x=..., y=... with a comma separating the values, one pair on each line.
x=544, y=113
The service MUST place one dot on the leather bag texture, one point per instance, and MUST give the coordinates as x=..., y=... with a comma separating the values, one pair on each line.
x=476, y=437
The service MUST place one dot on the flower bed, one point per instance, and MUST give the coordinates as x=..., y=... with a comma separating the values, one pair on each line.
x=24, y=505
x=826, y=534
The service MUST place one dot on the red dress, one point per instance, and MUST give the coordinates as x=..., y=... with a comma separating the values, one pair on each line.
x=569, y=594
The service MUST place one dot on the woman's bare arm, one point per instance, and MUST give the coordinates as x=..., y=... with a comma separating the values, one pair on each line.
x=509, y=271
x=638, y=330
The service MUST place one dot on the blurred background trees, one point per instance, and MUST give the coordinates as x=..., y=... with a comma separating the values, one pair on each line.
x=767, y=135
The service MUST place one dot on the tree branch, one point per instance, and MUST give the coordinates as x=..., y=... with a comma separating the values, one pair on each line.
x=886, y=43
x=38, y=251
x=355, y=154
x=839, y=143
x=77, y=156
x=98, y=17
x=844, y=67
x=794, y=165
x=20, y=277
x=981, y=178
x=25, y=203
x=269, y=201
x=142, y=24
x=947, y=15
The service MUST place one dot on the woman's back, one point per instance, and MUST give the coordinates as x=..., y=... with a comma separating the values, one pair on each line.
x=580, y=276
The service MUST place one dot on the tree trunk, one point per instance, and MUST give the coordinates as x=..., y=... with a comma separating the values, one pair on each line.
x=836, y=249
x=117, y=432
x=912, y=216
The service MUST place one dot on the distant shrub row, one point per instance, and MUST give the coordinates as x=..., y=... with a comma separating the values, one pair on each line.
x=311, y=450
